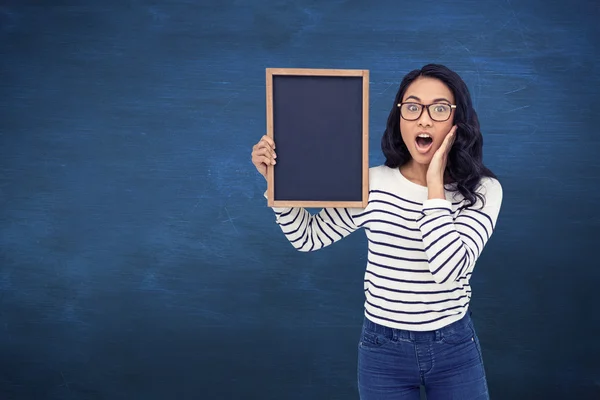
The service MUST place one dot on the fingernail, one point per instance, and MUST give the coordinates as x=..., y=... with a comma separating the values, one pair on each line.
x=274, y=155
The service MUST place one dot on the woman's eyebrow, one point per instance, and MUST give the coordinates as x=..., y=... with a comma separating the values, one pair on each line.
x=434, y=101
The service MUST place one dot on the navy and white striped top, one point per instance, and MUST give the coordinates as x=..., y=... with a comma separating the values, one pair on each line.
x=421, y=252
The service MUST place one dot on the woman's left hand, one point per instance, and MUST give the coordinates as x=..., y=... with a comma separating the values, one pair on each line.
x=437, y=166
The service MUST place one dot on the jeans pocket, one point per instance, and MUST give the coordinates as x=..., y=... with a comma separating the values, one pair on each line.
x=463, y=335
x=372, y=340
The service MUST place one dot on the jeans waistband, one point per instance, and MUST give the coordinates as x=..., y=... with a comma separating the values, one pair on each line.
x=418, y=336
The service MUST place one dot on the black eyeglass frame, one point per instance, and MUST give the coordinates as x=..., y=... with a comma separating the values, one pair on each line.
x=426, y=106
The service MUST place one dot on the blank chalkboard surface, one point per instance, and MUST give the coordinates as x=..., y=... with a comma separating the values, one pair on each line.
x=318, y=119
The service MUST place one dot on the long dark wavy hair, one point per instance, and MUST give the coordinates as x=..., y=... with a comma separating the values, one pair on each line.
x=464, y=168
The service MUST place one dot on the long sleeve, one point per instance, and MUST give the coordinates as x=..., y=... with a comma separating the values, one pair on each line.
x=307, y=232
x=453, y=245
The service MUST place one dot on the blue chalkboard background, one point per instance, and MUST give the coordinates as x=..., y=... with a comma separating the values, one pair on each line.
x=138, y=259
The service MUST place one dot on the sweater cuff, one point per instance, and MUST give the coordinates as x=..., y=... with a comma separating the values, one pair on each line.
x=433, y=206
x=277, y=210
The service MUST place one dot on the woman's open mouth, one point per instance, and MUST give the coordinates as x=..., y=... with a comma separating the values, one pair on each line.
x=423, y=142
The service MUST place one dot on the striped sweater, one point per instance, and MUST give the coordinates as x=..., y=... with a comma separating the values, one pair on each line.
x=421, y=252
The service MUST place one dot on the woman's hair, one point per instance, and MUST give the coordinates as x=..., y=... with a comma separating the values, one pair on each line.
x=464, y=167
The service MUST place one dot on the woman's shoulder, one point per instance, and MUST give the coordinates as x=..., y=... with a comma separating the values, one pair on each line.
x=490, y=185
x=486, y=184
x=381, y=176
x=489, y=189
x=380, y=171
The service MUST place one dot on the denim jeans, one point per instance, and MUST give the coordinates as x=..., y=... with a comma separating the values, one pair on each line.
x=394, y=363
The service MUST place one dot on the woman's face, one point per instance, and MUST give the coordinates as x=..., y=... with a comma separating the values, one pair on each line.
x=424, y=135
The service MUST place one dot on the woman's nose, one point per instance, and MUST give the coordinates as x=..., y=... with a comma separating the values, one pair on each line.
x=424, y=119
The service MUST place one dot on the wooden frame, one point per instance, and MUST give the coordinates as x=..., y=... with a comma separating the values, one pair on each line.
x=271, y=170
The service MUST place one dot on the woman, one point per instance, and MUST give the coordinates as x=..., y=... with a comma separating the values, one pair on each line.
x=432, y=208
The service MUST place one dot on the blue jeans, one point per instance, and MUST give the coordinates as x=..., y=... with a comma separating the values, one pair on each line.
x=394, y=363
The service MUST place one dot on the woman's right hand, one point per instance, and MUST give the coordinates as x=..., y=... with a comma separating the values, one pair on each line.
x=263, y=155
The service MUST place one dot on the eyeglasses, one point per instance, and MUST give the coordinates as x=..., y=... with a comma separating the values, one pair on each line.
x=438, y=112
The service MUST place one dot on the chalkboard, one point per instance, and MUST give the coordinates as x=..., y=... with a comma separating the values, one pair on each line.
x=319, y=121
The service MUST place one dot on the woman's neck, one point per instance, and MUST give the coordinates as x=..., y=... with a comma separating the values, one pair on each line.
x=414, y=172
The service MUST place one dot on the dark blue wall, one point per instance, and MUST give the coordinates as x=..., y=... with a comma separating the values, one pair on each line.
x=138, y=258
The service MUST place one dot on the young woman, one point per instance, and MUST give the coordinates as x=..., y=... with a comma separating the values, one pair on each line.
x=432, y=208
